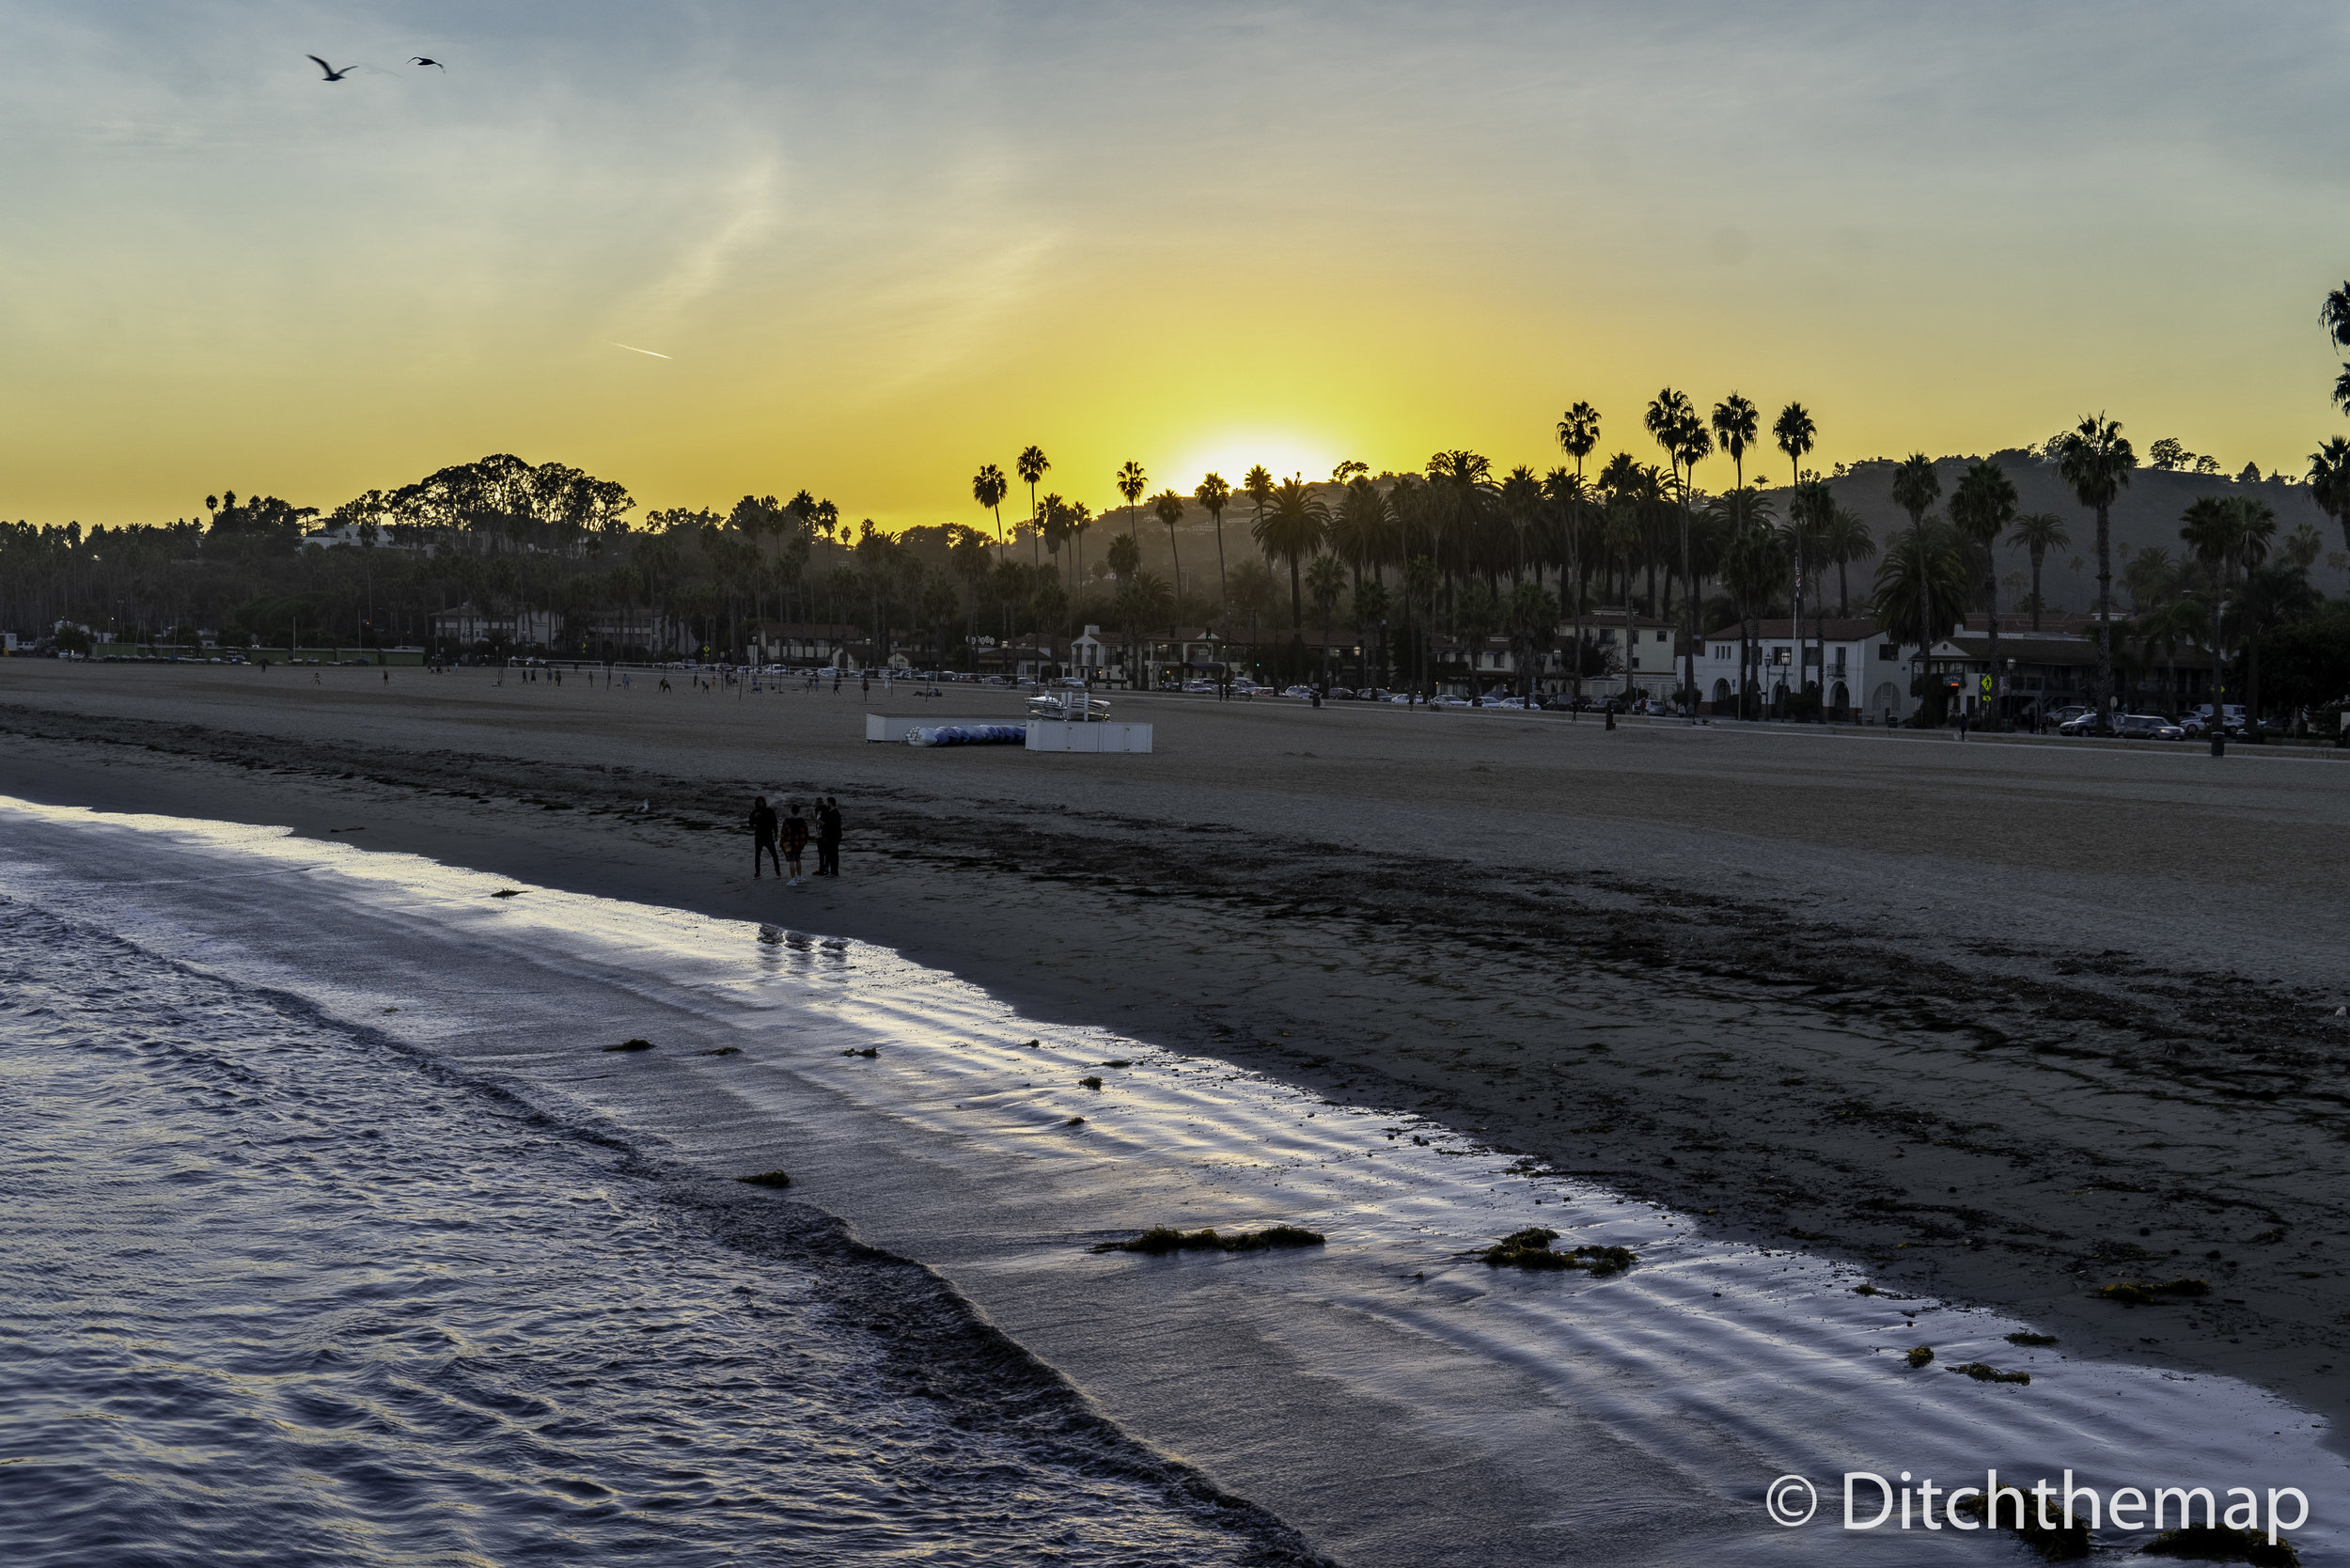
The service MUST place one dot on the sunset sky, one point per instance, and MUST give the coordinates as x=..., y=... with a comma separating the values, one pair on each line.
x=883, y=243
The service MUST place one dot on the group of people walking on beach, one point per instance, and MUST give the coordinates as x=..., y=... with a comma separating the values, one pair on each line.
x=782, y=841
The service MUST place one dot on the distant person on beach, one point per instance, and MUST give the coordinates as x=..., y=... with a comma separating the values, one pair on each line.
x=794, y=843
x=828, y=838
x=762, y=835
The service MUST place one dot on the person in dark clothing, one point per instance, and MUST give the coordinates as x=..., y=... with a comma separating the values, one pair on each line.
x=794, y=842
x=828, y=838
x=762, y=835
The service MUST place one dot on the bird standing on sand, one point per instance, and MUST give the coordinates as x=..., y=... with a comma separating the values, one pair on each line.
x=421, y=60
x=332, y=74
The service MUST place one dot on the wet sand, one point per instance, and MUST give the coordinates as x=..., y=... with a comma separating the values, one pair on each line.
x=2005, y=1020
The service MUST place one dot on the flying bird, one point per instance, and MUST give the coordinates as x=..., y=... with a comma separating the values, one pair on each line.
x=419, y=59
x=332, y=74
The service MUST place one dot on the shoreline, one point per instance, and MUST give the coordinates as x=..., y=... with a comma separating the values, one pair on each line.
x=1795, y=1074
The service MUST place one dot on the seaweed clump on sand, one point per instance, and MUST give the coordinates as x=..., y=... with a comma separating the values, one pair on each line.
x=1983, y=1372
x=2214, y=1543
x=1919, y=1356
x=2137, y=1292
x=1162, y=1239
x=630, y=1045
x=1530, y=1248
x=766, y=1179
x=2029, y=1339
x=1091, y=1082
x=2056, y=1543
x=869, y=1052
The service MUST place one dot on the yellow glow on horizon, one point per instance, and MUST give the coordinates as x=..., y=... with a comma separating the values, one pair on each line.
x=1231, y=455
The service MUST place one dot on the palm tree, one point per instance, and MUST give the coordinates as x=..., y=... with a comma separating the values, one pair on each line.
x=1672, y=420
x=1923, y=583
x=1032, y=465
x=2334, y=316
x=1579, y=433
x=2095, y=460
x=2272, y=593
x=1325, y=580
x=1078, y=517
x=1735, y=422
x=2039, y=532
x=2329, y=481
x=2228, y=534
x=1569, y=502
x=1796, y=435
x=1292, y=528
x=988, y=488
x=1213, y=495
x=1915, y=488
x=1170, y=509
x=1130, y=485
x=1811, y=516
x=1845, y=540
x=1983, y=506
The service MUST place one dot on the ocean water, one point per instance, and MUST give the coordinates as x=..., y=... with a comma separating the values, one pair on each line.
x=278, y=1292
x=1387, y=1394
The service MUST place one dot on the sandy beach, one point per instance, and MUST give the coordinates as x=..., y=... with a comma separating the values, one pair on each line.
x=2006, y=1021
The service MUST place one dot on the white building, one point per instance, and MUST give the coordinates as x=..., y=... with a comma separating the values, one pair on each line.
x=1856, y=670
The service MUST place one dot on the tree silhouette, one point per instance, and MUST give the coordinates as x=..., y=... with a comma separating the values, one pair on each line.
x=2039, y=532
x=1169, y=508
x=2329, y=483
x=1213, y=495
x=988, y=488
x=1981, y=508
x=1131, y=484
x=1291, y=529
x=1916, y=487
x=2095, y=460
x=1031, y=466
x=1794, y=434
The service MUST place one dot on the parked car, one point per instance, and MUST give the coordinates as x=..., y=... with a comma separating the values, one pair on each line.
x=2147, y=727
x=2088, y=722
x=2198, y=724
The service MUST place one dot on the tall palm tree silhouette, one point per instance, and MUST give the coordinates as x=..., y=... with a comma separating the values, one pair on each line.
x=1294, y=521
x=1213, y=495
x=1169, y=509
x=1672, y=420
x=1579, y=436
x=2329, y=483
x=1131, y=484
x=988, y=488
x=2095, y=460
x=1795, y=434
x=1983, y=506
x=1916, y=487
x=2039, y=532
x=1032, y=465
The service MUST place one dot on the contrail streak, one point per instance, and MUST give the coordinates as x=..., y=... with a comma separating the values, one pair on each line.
x=634, y=348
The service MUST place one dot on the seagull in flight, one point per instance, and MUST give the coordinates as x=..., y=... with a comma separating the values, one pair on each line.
x=421, y=60
x=332, y=74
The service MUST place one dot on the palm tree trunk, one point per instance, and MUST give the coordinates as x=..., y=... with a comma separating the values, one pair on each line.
x=2105, y=613
x=1223, y=610
x=1926, y=605
x=2037, y=556
x=1999, y=707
